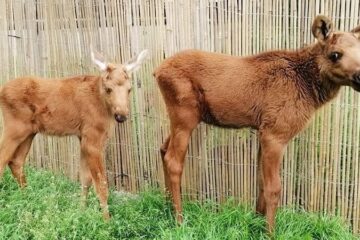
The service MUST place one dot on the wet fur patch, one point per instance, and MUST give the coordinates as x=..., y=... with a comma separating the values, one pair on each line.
x=308, y=81
x=302, y=68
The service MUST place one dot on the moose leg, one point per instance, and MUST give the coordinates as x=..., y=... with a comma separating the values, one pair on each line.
x=85, y=178
x=272, y=152
x=260, y=205
x=174, y=164
x=183, y=121
x=12, y=138
x=91, y=148
x=17, y=163
x=163, y=150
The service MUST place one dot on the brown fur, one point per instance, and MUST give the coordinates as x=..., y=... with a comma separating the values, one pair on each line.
x=274, y=92
x=82, y=105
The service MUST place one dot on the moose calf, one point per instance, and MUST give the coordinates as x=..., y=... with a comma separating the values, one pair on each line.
x=82, y=105
x=274, y=92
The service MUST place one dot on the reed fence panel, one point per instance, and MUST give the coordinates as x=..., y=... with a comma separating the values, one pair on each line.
x=320, y=171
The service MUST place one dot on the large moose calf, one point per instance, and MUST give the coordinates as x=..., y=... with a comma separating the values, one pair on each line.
x=274, y=92
x=82, y=105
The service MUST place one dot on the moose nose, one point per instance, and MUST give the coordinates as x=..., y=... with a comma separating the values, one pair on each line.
x=356, y=77
x=120, y=118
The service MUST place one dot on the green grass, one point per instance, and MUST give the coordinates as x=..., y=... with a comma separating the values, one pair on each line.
x=49, y=209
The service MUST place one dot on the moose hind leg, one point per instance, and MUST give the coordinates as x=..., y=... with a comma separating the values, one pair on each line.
x=182, y=125
x=260, y=205
x=12, y=138
x=174, y=165
x=17, y=163
x=163, y=150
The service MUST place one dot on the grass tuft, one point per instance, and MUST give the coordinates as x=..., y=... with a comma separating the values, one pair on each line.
x=49, y=208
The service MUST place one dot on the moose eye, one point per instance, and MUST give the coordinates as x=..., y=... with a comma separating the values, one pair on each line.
x=108, y=90
x=335, y=56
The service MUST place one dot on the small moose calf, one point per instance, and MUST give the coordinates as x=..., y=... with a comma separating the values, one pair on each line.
x=81, y=105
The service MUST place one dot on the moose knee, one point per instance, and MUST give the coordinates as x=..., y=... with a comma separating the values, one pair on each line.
x=272, y=193
x=173, y=167
x=14, y=165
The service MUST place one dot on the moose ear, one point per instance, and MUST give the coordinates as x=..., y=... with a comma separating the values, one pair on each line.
x=356, y=31
x=135, y=63
x=322, y=28
x=98, y=60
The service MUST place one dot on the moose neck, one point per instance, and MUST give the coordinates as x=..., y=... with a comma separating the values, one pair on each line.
x=312, y=82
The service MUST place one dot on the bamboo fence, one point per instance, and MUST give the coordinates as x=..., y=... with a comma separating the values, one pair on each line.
x=51, y=38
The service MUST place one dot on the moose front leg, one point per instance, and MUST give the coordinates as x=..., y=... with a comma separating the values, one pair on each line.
x=92, y=155
x=272, y=149
x=85, y=178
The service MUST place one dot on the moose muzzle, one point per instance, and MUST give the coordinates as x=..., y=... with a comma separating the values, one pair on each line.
x=120, y=118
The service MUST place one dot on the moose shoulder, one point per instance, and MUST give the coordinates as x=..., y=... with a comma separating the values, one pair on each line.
x=274, y=92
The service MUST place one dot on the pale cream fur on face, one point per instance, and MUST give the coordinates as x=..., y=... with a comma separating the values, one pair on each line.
x=116, y=83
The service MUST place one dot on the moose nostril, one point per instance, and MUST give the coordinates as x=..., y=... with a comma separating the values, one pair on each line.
x=119, y=118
